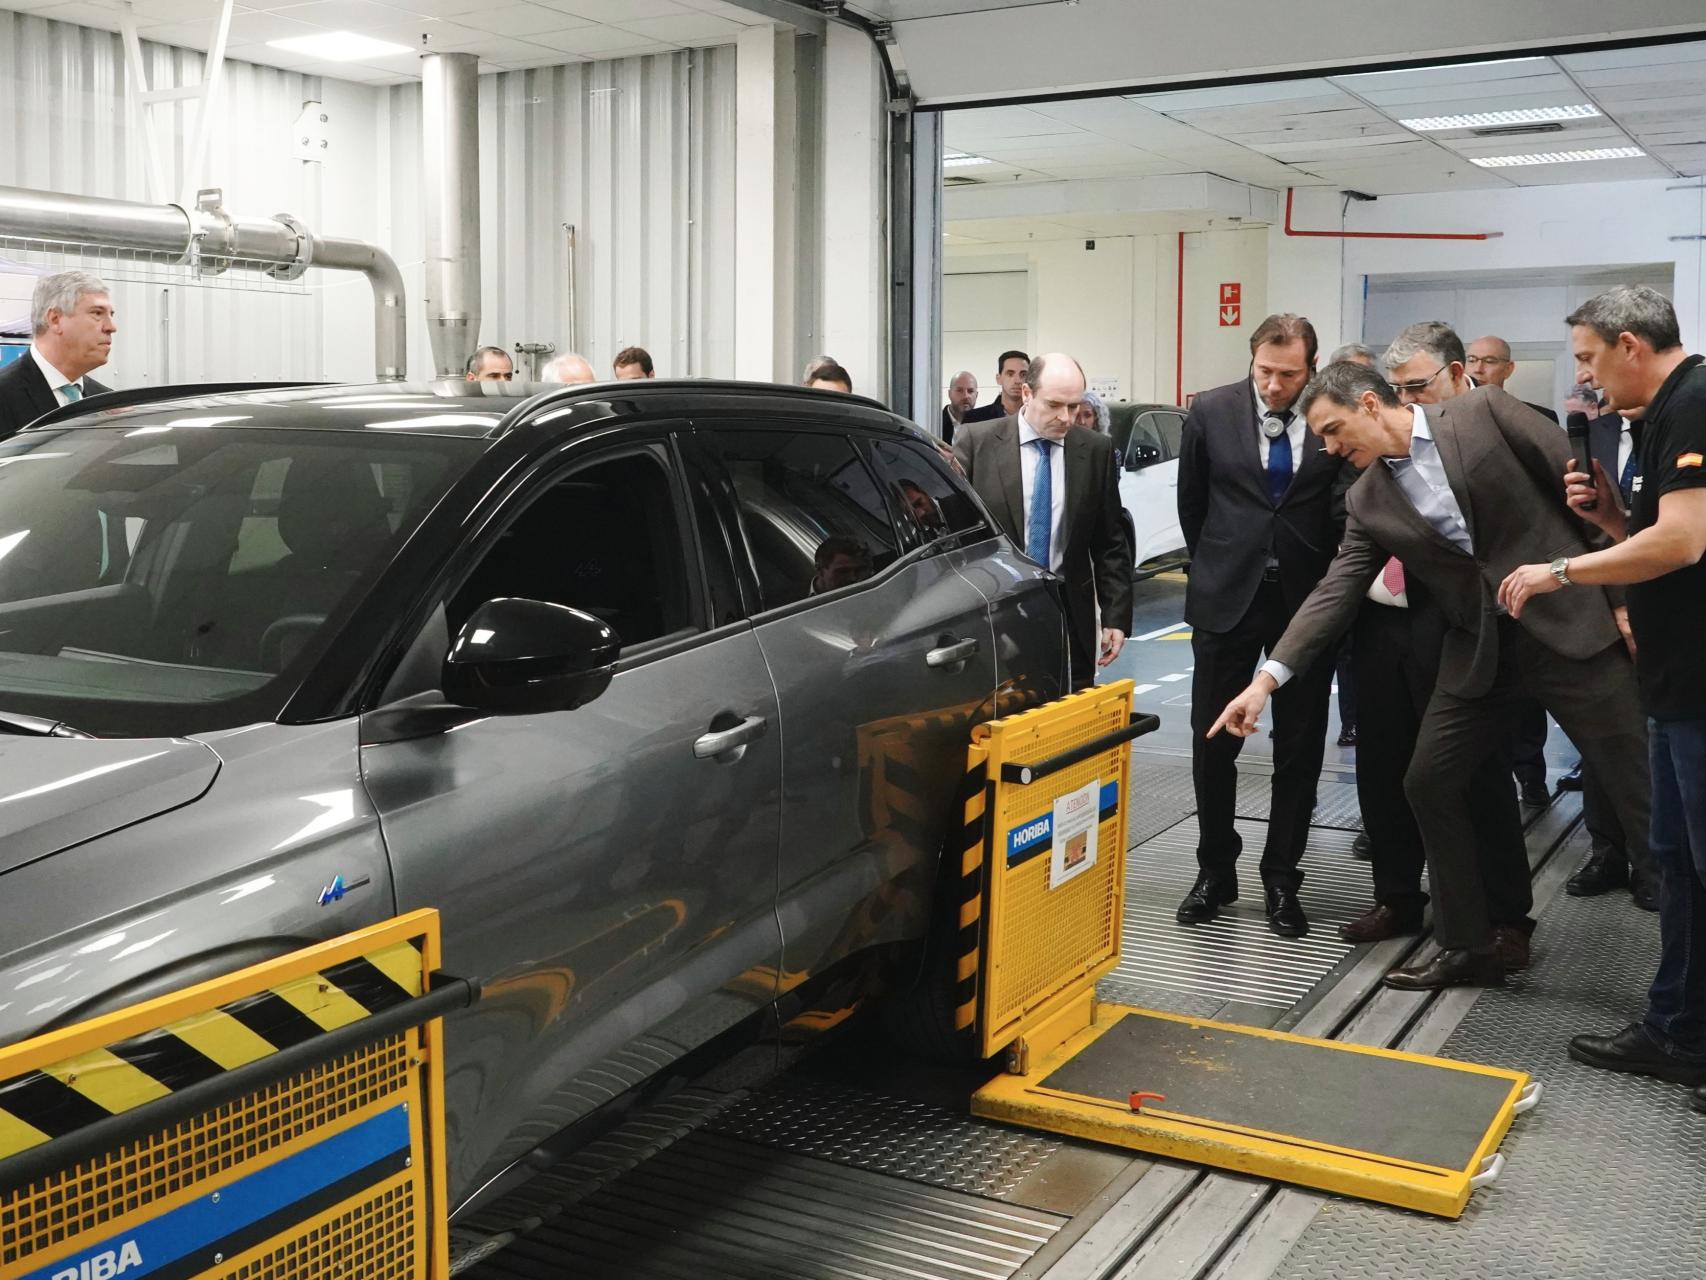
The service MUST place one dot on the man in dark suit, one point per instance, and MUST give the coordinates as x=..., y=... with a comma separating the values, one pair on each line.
x=71, y=318
x=1261, y=514
x=1488, y=363
x=1055, y=492
x=962, y=396
x=1461, y=494
x=1010, y=371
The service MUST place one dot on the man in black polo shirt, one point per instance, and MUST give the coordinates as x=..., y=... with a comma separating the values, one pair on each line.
x=1627, y=341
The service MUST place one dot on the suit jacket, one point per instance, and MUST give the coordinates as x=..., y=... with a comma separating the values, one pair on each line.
x=949, y=426
x=1544, y=412
x=1097, y=561
x=1605, y=438
x=1232, y=527
x=985, y=413
x=1505, y=466
x=25, y=395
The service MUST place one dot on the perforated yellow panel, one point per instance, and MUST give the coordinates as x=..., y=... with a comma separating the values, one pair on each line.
x=371, y=1236
x=1041, y=944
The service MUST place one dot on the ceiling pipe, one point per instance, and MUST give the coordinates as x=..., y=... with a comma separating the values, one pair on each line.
x=208, y=240
x=450, y=153
x=1385, y=235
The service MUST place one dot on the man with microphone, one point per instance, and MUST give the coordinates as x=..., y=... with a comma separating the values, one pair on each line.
x=1628, y=341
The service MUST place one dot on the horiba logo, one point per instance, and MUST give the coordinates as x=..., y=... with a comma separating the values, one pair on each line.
x=104, y=1266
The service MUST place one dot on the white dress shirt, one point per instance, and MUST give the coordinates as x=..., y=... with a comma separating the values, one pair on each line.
x=1057, y=486
x=1294, y=432
x=1421, y=478
x=56, y=381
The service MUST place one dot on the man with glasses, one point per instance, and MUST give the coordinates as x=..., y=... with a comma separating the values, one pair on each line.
x=1489, y=364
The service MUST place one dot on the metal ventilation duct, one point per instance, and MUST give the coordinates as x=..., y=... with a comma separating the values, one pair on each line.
x=450, y=143
x=211, y=240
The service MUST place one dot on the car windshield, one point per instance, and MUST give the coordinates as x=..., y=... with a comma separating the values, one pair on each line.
x=163, y=579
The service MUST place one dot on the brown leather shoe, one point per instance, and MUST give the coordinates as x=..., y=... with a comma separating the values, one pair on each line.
x=1379, y=923
x=1511, y=946
x=1450, y=969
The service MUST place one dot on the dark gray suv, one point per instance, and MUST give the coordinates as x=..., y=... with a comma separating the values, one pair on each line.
x=659, y=693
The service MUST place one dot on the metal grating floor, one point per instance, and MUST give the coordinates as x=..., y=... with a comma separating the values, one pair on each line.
x=1602, y=1179
x=1234, y=958
x=1335, y=802
x=711, y=1207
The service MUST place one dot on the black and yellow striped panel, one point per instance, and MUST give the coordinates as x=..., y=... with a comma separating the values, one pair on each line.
x=61, y=1098
x=969, y=841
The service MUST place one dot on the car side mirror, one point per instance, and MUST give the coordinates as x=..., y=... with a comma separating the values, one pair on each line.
x=515, y=656
x=1141, y=455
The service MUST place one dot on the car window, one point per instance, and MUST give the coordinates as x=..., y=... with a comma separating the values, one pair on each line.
x=930, y=504
x=605, y=539
x=810, y=510
x=1165, y=429
x=160, y=578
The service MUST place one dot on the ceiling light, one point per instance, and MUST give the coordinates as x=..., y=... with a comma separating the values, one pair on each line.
x=959, y=160
x=1558, y=157
x=1480, y=119
x=339, y=46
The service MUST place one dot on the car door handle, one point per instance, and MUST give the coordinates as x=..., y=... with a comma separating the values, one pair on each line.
x=950, y=654
x=709, y=746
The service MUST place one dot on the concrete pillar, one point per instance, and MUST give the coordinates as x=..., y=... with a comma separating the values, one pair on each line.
x=854, y=320
x=766, y=116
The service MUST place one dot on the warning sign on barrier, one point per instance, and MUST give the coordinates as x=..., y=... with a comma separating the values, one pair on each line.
x=285, y=1121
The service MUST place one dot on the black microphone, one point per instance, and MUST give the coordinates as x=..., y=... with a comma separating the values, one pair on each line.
x=1578, y=430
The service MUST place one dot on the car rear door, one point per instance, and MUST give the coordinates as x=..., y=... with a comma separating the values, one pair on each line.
x=1150, y=492
x=883, y=656
x=608, y=873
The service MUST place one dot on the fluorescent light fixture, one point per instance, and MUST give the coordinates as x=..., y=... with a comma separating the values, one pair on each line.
x=1558, y=157
x=1487, y=119
x=339, y=46
x=960, y=160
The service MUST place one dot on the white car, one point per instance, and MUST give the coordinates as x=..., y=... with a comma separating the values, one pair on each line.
x=1147, y=436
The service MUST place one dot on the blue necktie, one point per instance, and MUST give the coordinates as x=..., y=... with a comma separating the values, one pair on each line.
x=1626, y=481
x=72, y=392
x=1041, y=521
x=1279, y=466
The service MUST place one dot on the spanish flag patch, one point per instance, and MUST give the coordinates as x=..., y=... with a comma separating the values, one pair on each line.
x=1691, y=460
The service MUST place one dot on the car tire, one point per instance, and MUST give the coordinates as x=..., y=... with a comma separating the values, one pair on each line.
x=919, y=1019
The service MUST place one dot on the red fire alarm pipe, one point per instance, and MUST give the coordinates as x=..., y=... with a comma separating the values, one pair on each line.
x=1385, y=235
x=1179, y=331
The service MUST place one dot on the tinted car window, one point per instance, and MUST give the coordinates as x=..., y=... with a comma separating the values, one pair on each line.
x=160, y=579
x=930, y=504
x=605, y=539
x=812, y=515
x=1170, y=429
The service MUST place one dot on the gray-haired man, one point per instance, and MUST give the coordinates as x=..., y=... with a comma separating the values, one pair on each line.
x=72, y=326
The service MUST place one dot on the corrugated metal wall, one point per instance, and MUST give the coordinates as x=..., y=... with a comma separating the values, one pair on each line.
x=66, y=129
x=638, y=156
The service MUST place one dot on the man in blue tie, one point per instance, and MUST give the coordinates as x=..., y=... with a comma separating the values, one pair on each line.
x=1259, y=506
x=72, y=324
x=1055, y=493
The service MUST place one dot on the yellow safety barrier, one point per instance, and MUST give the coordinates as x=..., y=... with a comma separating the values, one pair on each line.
x=285, y=1121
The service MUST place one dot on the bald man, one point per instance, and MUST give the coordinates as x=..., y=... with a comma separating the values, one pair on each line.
x=568, y=368
x=1488, y=364
x=962, y=397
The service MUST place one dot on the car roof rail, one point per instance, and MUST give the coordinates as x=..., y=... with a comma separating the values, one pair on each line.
x=147, y=395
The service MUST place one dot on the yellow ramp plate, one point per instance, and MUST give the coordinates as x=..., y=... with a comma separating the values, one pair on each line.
x=1399, y=1128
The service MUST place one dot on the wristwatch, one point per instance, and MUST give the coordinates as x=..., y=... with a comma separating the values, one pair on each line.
x=1559, y=567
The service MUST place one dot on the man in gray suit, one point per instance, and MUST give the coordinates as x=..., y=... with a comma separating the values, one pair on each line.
x=1055, y=492
x=1462, y=493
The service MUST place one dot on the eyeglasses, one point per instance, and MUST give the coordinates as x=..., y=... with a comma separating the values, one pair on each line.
x=1486, y=360
x=1419, y=385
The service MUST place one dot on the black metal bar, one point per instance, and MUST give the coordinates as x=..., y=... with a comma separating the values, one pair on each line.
x=1025, y=774
x=447, y=994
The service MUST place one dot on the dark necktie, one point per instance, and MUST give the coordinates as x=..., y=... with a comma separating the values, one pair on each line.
x=1040, y=525
x=1279, y=462
x=1626, y=481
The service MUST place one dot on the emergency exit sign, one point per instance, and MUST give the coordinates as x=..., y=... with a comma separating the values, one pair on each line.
x=1231, y=300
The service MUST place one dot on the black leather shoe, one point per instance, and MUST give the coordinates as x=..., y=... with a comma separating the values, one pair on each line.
x=1601, y=873
x=1454, y=968
x=1285, y=913
x=1362, y=848
x=1511, y=946
x=1572, y=781
x=1699, y=1099
x=1644, y=891
x=1380, y=923
x=1348, y=736
x=1535, y=795
x=1207, y=896
x=1634, y=1050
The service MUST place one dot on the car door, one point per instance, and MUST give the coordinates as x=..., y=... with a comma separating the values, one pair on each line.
x=1149, y=485
x=883, y=657
x=607, y=873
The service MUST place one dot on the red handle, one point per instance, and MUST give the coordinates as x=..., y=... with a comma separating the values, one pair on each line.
x=1138, y=1099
